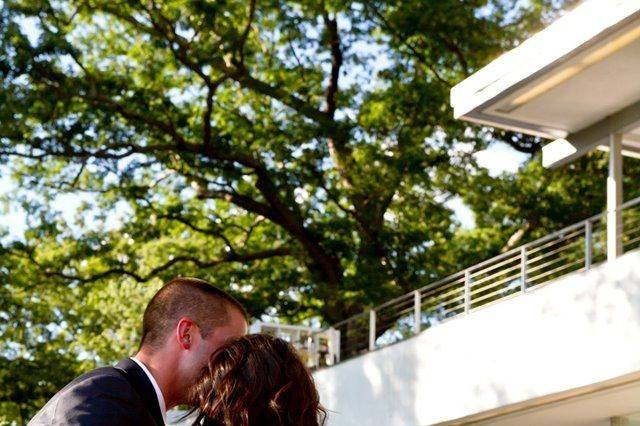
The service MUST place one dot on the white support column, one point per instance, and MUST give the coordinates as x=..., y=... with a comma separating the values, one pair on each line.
x=614, y=198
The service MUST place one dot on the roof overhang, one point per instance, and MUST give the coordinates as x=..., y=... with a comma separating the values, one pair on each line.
x=576, y=82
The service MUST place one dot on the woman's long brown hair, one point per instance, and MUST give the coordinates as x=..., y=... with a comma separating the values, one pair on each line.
x=257, y=380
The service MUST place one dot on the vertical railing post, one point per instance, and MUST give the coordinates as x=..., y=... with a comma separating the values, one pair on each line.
x=588, y=244
x=372, y=330
x=523, y=269
x=417, y=314
x=337, y=349
x=614, y=198
x=467, y=291
x=316, y=349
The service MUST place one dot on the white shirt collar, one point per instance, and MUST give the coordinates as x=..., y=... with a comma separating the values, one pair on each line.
x=161, y=404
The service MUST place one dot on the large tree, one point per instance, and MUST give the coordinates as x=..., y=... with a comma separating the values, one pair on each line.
x=299, y=154
x=302, y=149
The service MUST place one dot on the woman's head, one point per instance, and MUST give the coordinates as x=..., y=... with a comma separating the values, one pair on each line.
x=257, y=380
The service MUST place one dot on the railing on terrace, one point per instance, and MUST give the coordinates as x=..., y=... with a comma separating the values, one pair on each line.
x=575, y=248
x=316, y=349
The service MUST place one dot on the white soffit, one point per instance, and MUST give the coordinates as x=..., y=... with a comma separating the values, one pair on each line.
x=579, y=70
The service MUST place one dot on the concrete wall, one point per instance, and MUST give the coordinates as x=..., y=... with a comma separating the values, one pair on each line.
x=577, y=331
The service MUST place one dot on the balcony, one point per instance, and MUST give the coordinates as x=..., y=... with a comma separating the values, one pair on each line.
x=565, y=353
x=506, y=341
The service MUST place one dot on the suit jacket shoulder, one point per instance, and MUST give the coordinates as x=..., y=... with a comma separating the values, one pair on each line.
x=100, y=397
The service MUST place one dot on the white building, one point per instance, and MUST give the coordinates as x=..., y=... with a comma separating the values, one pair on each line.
x=547, y=333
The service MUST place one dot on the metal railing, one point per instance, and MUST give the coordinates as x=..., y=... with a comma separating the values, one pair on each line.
x=575, y=248
x=316, y=349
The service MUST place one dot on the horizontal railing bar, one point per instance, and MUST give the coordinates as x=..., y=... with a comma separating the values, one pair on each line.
x=444, y=312
x=459, y=282
x=495, y=275
x=631, y=220
x=442, y=302
x=542, y=239
x=551, y=262
x=492, y=302
x=630, y=235
x=397, y=308
x=395, y=315
x=544, y=274
x=448, y=293
x=390, y=325
x=552, y=245
x=510, y=252
x=353, y=331
x=555, y=234
x=630, y=231
x=505, y=290
x=442, y=281
x=627, y=231
x=404, y=296
x=579, y=243
x=497, y=265
x=391, y=308
x=555, y=241
x=381, y=325
x=630, y=203
x=533, y=285
x=622, y=226
x=353, y=318
x=515, y=251
x=573, y=247
x=635, y=240
x=455, y=308
x=441, y=305
x=487, y=287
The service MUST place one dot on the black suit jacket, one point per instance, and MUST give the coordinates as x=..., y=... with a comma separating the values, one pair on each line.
x=120, y=395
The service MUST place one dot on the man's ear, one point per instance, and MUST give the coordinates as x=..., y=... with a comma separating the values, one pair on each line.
x=185, y=332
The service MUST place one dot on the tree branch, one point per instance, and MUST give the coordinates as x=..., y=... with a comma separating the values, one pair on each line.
x=204, y=264
x=243, y=38
x=336, y=61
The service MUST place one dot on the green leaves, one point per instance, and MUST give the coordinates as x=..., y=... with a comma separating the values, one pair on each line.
x=298, y=154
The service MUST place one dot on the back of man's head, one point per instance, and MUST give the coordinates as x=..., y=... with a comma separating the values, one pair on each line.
x=208, y=306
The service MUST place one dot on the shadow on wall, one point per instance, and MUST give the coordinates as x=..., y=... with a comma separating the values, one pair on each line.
x=383, y=389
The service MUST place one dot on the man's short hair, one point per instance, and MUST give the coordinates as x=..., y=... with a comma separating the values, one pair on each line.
x=206, y=305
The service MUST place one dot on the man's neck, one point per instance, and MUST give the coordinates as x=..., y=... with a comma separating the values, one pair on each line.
x=156, y=363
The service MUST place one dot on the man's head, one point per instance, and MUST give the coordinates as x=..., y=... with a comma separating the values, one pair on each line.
x=183, y=324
